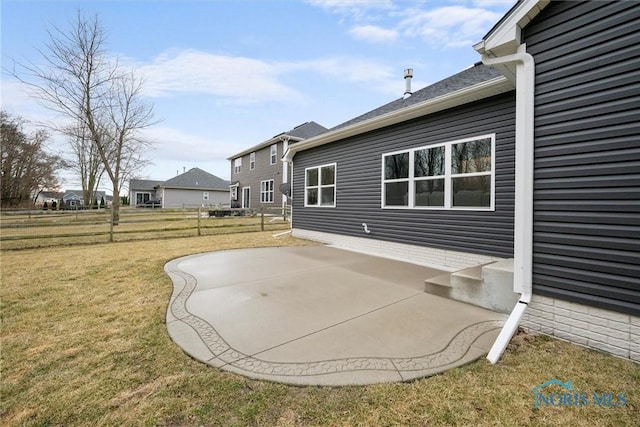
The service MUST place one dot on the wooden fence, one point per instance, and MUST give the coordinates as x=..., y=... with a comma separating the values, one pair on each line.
x=32, y=229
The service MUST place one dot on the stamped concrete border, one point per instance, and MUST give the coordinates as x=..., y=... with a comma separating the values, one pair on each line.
x=200, y=339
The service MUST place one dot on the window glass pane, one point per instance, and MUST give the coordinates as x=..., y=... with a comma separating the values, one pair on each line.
x=312, y=196
x=396, y=166
x=328, y=196
x=328, y=175
x=429, y=162
x=312, y=177
x=472, y=156
x=430, y=192
x=396, y=193
x=472, y=191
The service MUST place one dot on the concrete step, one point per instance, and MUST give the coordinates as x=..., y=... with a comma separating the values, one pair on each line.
x=439, y=285
x=486, y=285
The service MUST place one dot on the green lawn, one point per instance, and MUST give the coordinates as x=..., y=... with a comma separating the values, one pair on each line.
x=84, y=343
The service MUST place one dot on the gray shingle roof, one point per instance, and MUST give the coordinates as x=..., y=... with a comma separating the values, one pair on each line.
x=306, y=130
x=300, y=132
x=466, y=78
x=197, y=178
x=143, y=184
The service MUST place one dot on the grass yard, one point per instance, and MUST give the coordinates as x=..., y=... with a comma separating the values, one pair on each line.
x=84, y=343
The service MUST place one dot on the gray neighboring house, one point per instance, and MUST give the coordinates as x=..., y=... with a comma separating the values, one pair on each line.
x=193, y=188
x=257, y=172
x=531, y=157
x=73, y=199
x=142, y=190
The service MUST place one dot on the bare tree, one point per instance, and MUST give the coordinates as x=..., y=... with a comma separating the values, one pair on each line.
x=86, y=162
x=100, y=102
x=26, y=168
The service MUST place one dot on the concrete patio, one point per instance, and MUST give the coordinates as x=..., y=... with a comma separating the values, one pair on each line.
x=318, y=315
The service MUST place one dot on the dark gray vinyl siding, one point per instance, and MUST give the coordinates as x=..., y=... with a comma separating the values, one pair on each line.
x=587, y=153
x=359, y=178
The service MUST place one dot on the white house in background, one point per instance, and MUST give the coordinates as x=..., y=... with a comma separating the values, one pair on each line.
x=194, y=188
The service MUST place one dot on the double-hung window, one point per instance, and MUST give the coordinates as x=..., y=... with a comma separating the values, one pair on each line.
x=320, y=186
x=266, y=191
x=274, y=154
x=252, y=161
x=452, y=175
x=237, y=165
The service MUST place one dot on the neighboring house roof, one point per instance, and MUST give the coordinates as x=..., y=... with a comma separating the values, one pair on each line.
x=143, y=184
x=474, y=83
x=51, y=195
x=298, y=133
x=196, y=179
x=77, y=195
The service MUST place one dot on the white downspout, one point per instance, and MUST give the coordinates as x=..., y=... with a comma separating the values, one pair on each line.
x=523, y=221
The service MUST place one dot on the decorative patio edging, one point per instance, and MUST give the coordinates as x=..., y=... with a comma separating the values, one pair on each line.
x=226, y=357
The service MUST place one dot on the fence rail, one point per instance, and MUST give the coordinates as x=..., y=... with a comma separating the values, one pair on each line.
x=32, y=229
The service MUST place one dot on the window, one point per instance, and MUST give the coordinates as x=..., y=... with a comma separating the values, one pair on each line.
x=252, y=161
x=453, y=175
x=266, y=191
x=237, y=165
x=320, y=186
x=274, y=154
x=205, y=195
x=142, y=198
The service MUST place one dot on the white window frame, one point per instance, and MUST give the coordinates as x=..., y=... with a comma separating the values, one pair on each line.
x=273, y=153
x=266, y=191
x=320, y=186
x=448, y=177
x=252, y=161
x=237, y=165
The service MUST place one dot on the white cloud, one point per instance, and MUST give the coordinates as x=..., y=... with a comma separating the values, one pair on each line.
x=248, y=81
x=450, y=26
x=178, y=145
x=355, y=9
x=239, y=79
x=374, y=34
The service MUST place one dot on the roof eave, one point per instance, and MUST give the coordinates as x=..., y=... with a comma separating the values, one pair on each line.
x=505, y=38
x=476, y=92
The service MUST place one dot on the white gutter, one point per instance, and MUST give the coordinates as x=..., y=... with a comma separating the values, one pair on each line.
x=523, y=221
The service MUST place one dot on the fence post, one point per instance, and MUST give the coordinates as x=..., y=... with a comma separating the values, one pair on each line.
x=111, y=226
x=261, y=218
x=199, y=233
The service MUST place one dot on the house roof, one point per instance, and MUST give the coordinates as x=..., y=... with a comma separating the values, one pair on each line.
x=196, y=179
x=143, y=184
x=298, y=133
x=474, y=83
x=466, y=78
x=77, y=194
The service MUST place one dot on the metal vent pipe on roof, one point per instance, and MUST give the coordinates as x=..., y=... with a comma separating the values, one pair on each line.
x=408, y=74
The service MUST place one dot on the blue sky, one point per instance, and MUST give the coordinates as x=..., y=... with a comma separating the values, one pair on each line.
x=225, y=75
